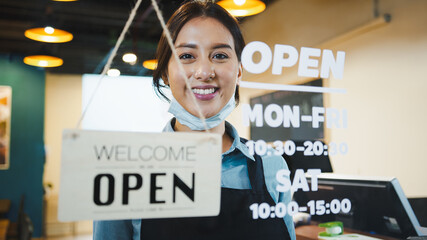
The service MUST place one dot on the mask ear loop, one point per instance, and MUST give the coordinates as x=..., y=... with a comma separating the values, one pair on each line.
x=181, y=68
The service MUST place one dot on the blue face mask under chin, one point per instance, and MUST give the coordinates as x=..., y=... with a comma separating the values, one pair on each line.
x=195, y=123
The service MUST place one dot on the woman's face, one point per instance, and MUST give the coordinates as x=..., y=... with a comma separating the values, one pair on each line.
x=206, y=50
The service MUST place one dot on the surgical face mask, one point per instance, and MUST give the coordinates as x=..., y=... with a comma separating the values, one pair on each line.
x=195, y=123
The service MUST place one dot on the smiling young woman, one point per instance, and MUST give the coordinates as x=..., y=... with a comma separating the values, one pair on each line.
x=206, y=50
x=209, y=44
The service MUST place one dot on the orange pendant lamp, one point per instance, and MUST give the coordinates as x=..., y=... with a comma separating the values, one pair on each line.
x=242, y=8
x=150, y=64
x=43, y=61
x=48, y=34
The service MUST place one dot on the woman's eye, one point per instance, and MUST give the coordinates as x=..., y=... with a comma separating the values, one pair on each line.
x=220, y=56
x=185, y=56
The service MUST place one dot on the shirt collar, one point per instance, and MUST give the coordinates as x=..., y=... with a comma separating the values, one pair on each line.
x=230, y=130
x=169, y=126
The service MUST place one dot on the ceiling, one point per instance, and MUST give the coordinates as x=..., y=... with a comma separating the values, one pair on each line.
x=95, y=24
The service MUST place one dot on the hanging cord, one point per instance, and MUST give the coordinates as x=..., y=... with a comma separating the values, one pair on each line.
x=114, y=52
x=181, y=68
x=110, y=59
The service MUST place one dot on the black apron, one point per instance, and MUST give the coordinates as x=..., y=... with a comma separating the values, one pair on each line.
x=234, y=220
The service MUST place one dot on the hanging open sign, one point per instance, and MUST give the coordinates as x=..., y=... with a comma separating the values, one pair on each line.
x=125, y=175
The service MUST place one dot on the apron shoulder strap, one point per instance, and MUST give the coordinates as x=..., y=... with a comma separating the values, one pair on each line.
x=255, y=172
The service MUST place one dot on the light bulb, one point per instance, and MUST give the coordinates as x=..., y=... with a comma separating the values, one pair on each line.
x=239, y=2
x=129, y=58
x=43, y=63
x=49, y=30
x=113, y=72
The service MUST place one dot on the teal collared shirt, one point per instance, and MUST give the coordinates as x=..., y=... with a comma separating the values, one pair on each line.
x=234, y=174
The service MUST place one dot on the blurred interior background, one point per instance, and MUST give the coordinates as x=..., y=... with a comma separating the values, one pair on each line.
x=385, y=43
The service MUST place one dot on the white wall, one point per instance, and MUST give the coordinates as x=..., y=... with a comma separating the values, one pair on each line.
x=63, y=101
x=124, y=103
x=62, y=110
x=386, y=95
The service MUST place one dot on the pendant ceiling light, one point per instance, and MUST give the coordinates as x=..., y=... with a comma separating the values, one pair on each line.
x=242, y=8
x=130, y=58
x=150, y=64
x=43, y=61
x=48, y=34
x=113, y=72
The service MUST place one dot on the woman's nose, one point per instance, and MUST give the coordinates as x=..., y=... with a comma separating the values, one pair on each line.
x=204, y=71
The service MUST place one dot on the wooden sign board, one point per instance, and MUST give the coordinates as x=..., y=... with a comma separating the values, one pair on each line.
x=128, y=175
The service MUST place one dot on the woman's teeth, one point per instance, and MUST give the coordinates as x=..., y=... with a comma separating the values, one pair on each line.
x=203, y=91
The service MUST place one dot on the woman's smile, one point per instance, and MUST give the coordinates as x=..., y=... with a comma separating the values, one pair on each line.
x=205, y=93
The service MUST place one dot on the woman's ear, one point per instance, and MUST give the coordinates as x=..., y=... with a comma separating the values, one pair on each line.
x=165, y=79
x=239, y=74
